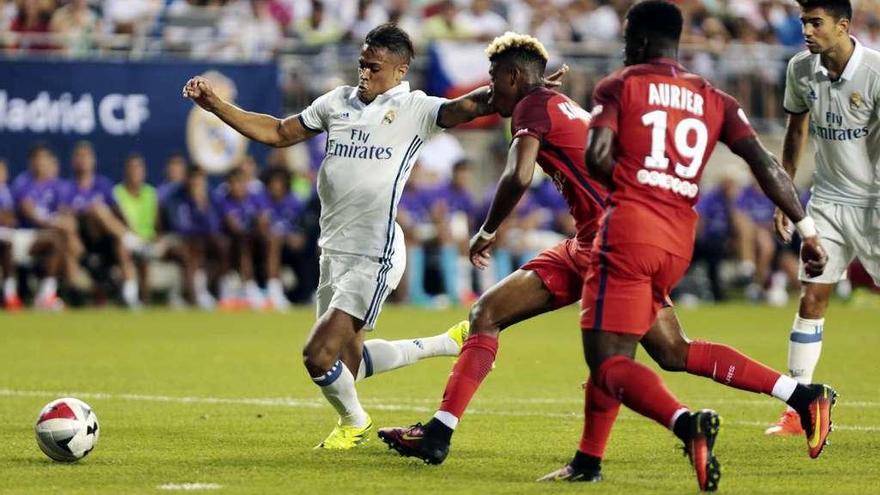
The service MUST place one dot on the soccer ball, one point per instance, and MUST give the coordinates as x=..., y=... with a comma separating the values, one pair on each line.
x=67, y=429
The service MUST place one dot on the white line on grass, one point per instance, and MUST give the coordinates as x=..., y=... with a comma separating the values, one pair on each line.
x=385, y=405
x=189, y=487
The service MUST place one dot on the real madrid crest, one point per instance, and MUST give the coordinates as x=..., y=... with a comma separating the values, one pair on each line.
x=390, y=115
x=855, y=100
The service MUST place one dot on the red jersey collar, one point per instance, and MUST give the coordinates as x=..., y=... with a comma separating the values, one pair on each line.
x=666, y=61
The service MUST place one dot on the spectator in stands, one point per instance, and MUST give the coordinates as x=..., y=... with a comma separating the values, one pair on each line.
x=286, y=239
x=139, y=205
x=89, y=198
x=37, y=193
x=400, y=14
x=175, y=175
x=452, y=211
x=483, y=23
x=369, y=15
x=32, y=26
x=414, y=218
x=251, y=32
x=246, y=222
x=21, y=245
x=78, y=24
x=189, y=214
x=447, y=24
x=319, y=28
x=760, y=247
x=131, y=16
x=716, y=232
x=593, y=20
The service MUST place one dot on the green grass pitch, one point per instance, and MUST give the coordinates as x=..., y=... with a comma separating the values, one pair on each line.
x=223, y=399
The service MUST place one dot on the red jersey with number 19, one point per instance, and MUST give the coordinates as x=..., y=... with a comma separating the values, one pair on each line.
x=667, y=121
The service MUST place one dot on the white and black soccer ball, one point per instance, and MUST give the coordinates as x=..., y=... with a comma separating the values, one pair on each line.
x=67, y=429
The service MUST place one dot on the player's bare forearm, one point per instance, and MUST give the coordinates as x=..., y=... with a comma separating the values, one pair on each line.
x=794, y=141
x=465, y=108
x=263, y=128
x=599, y=158
x=772, y=178
x=514, y=182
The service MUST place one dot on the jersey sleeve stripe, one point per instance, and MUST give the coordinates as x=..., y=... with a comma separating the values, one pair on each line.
x=303, y=122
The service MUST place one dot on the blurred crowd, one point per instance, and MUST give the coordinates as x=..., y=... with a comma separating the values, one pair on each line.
x=248, y=240
x=102, y=241
x=257, y=29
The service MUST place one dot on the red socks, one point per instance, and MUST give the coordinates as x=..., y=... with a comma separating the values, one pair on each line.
x=639, y=388
x=600, y=411
x=474, y=363
x=728, y=366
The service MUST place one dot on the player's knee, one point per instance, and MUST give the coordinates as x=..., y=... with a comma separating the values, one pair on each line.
x=482, y=320
x=317, y=359
x=673, y=358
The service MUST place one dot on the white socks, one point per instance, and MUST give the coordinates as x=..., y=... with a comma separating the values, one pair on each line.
x=380, y=355
x=804, y=348
x=784, y=387
x=10, y=288
x=337, y=385
x=48, y=287
x=130, y=293
x=447, y=418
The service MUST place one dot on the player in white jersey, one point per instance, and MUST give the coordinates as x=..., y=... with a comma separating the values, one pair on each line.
x=832, y=89
x=375, y=131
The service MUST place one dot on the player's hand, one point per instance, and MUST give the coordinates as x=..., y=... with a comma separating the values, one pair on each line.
x=813, y=256
x=481, y=251
x=783, y=226
x=199, y=90
x=555, y=80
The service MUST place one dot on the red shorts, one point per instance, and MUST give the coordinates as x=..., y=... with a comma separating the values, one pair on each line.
x=562, y=269
x=627, y=285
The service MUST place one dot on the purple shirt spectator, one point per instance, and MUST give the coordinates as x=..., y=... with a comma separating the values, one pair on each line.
x=21, y=183
x=416, y=202
x=283, y=214
x=756, y=205
x=714, y=210
x=77, y=199
x=245, y=211
x=6, y=201
x=46, y=197
x=187, y=219
x=166, y=190
x=455, y=199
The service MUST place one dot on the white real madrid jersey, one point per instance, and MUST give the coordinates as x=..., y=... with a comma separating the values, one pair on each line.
x=371, y=149
x=844, y=124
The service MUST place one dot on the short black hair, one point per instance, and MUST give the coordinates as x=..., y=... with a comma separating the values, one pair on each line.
x=194, y=171
x=840, y=9
x=38, y=147
x=132, y=157
x=655, y=19
x=393, y=39
x=277, y=173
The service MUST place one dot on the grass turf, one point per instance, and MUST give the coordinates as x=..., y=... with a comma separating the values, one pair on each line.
x=223, y=399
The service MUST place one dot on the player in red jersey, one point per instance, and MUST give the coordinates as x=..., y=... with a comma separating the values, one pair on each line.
x=550, y=128
x=655, y=125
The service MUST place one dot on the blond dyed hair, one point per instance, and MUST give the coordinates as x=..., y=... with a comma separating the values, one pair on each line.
x=511, y=40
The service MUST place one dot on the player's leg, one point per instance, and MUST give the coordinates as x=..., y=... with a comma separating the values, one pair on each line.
x=48, y=246
x=253, y=294
x=668, y=345
x=105, y=222
x=551, y=280
x=381, y=355
x=273, y=243
x=805, y=337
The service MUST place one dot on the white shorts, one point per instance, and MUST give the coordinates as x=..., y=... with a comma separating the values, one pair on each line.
x=358, y=284
x=22, y=240
x=846, y=232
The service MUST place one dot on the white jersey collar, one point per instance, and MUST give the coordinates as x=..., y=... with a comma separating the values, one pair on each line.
x=849, y=71
x=401, y=88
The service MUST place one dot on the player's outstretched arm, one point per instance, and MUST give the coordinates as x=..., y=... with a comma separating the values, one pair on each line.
x=599, y=157
x=514, y=182
x=778, y=186
x=259, y=127
x=475, y=104
x=792, y=146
